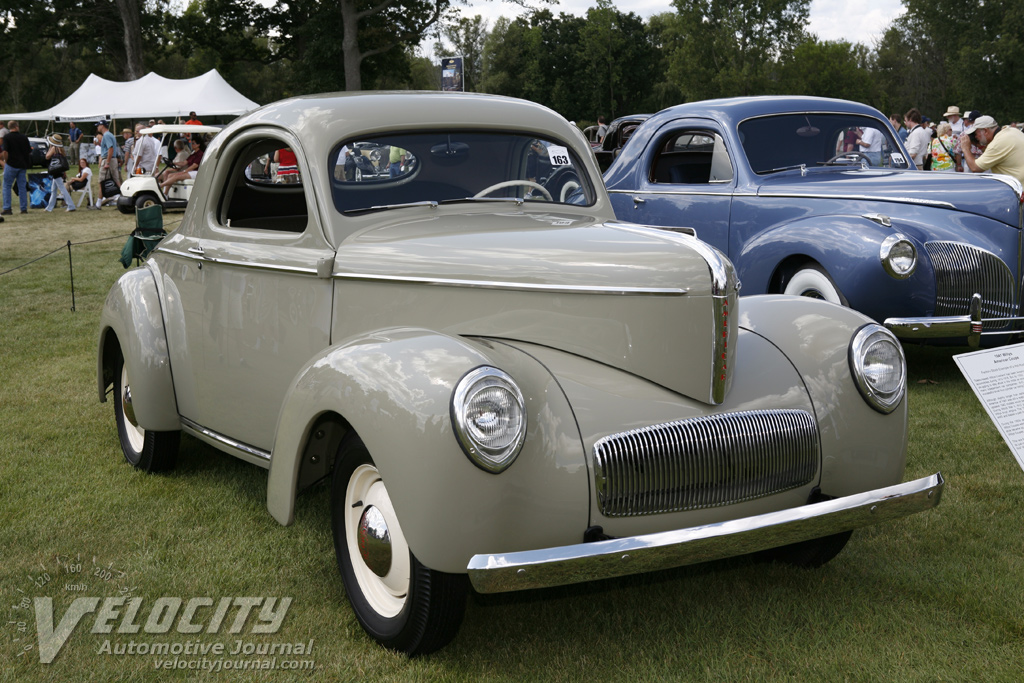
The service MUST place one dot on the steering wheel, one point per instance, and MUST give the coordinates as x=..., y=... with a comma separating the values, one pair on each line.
x=846, y=155
x=512, y=183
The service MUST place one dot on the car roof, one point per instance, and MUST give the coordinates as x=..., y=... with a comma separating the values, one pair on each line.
x=736, y=109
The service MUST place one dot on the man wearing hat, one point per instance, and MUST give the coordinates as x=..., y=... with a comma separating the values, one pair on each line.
x=57, y=150
x=16, y=154
x=1004, y=149
x=108, y=159
x=955, y=122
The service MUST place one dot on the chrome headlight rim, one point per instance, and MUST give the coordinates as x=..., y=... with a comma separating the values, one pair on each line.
x=487, y=458
x=884, y=401
x=886, y=253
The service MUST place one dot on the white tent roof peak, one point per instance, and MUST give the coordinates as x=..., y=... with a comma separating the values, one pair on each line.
x=150, y=96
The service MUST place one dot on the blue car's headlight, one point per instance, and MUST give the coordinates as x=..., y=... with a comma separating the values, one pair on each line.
x=898, y=255
x=879, y=367
x=489, y=418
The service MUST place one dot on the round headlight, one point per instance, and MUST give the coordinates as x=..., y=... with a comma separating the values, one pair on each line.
x=898, y=255
x=879, y=367
x=489, y=418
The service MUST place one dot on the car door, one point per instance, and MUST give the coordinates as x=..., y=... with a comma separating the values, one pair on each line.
x=687, y=181
x=248, y=292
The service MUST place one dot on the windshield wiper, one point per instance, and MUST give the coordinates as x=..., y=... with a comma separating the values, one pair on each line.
x=785, y=168
x=514, y=200
x=408, y=205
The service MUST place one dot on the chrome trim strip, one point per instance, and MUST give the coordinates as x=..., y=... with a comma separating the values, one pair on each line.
x=701, y=193
x=242, y=449
x=860, y=197
x=242, y=264
x=518, y=286
x=447, y=282
x=501, y=572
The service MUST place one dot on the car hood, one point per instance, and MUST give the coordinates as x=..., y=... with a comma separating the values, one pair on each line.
x=648, y=301
x=985, y=195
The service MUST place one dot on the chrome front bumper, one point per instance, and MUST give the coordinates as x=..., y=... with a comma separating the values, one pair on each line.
x=651, y=552
x=951, y=326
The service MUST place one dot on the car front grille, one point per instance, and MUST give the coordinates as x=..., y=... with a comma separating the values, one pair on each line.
x=962, y=270
x=705, y=462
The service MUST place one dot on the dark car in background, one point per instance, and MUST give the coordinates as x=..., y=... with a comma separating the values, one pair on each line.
x=777, y=184
x=38, y=157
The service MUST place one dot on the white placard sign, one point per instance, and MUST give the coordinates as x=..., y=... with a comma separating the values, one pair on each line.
x=997, y=378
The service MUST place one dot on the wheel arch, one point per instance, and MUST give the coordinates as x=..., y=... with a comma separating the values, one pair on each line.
x=393, y=389
x=131, y=324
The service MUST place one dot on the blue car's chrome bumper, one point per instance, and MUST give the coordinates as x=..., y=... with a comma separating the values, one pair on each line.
x=952, y=326
x=617, y=557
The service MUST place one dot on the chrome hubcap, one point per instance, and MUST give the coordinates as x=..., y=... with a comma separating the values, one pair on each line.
x=126, y=406
x=375, y=541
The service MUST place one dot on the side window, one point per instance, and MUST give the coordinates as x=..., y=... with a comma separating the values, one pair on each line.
x=692, y=157
x=264, y=189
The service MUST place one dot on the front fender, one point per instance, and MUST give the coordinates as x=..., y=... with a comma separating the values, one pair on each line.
x=862, y=449
x=394, y=390
x=131, y=323
x=847, y=247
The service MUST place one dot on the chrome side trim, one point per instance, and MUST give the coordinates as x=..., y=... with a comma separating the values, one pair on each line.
x=257, y=456
x=198, y=256
x=517, y=286
x=446, y=282
x=860, y=197
x=501, y=572
x=701, y=193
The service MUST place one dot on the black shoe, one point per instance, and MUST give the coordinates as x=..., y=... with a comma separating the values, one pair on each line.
x=6, y=212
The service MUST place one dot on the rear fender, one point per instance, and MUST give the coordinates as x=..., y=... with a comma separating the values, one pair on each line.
x=132, y=324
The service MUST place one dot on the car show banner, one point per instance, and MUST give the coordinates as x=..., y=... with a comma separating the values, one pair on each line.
x=997, y=378
x=451, y=74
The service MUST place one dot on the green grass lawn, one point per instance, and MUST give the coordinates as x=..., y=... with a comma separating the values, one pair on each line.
x=935, y=597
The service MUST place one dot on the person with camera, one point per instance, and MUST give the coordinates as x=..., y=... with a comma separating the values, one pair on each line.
x=1004, y=149
x=58, y=167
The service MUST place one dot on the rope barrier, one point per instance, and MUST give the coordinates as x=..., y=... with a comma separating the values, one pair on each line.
x=71, y=267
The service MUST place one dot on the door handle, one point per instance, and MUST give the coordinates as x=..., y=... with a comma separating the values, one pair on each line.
x=637, y=201
x=198, y=251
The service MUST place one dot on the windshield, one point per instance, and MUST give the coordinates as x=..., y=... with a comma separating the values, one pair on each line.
x=774, y=143
x=391, y=171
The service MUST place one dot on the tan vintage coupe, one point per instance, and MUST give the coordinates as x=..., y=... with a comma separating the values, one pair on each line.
x=504, y=387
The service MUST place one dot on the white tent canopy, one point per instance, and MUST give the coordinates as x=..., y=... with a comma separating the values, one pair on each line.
x=150, y=96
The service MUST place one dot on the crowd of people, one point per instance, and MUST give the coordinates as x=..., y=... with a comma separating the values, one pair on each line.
x=69, y=152
x=967, y=143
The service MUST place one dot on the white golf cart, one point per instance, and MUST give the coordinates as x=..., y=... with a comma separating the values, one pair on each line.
x=142, y=190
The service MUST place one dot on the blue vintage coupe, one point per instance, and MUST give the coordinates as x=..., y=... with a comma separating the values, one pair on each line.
x=818, y=197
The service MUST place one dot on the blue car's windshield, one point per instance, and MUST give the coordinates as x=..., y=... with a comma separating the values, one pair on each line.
x=774, y=143
x=399, y=170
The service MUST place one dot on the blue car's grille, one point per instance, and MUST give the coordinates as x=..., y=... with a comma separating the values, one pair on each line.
x=705, y=462
x=960, y=271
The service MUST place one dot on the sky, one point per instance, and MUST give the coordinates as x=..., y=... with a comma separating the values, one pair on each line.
x=829, y=19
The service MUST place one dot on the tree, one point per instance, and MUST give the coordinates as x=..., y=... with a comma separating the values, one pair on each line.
x=734, y=47
x=405, y=22
x=829, y=69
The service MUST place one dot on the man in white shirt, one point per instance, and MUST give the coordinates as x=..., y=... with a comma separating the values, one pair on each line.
x=870, y=142
x=918, y=139
x=145, y=153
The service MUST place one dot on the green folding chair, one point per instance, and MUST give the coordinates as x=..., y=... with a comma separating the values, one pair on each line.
x=149, y=230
